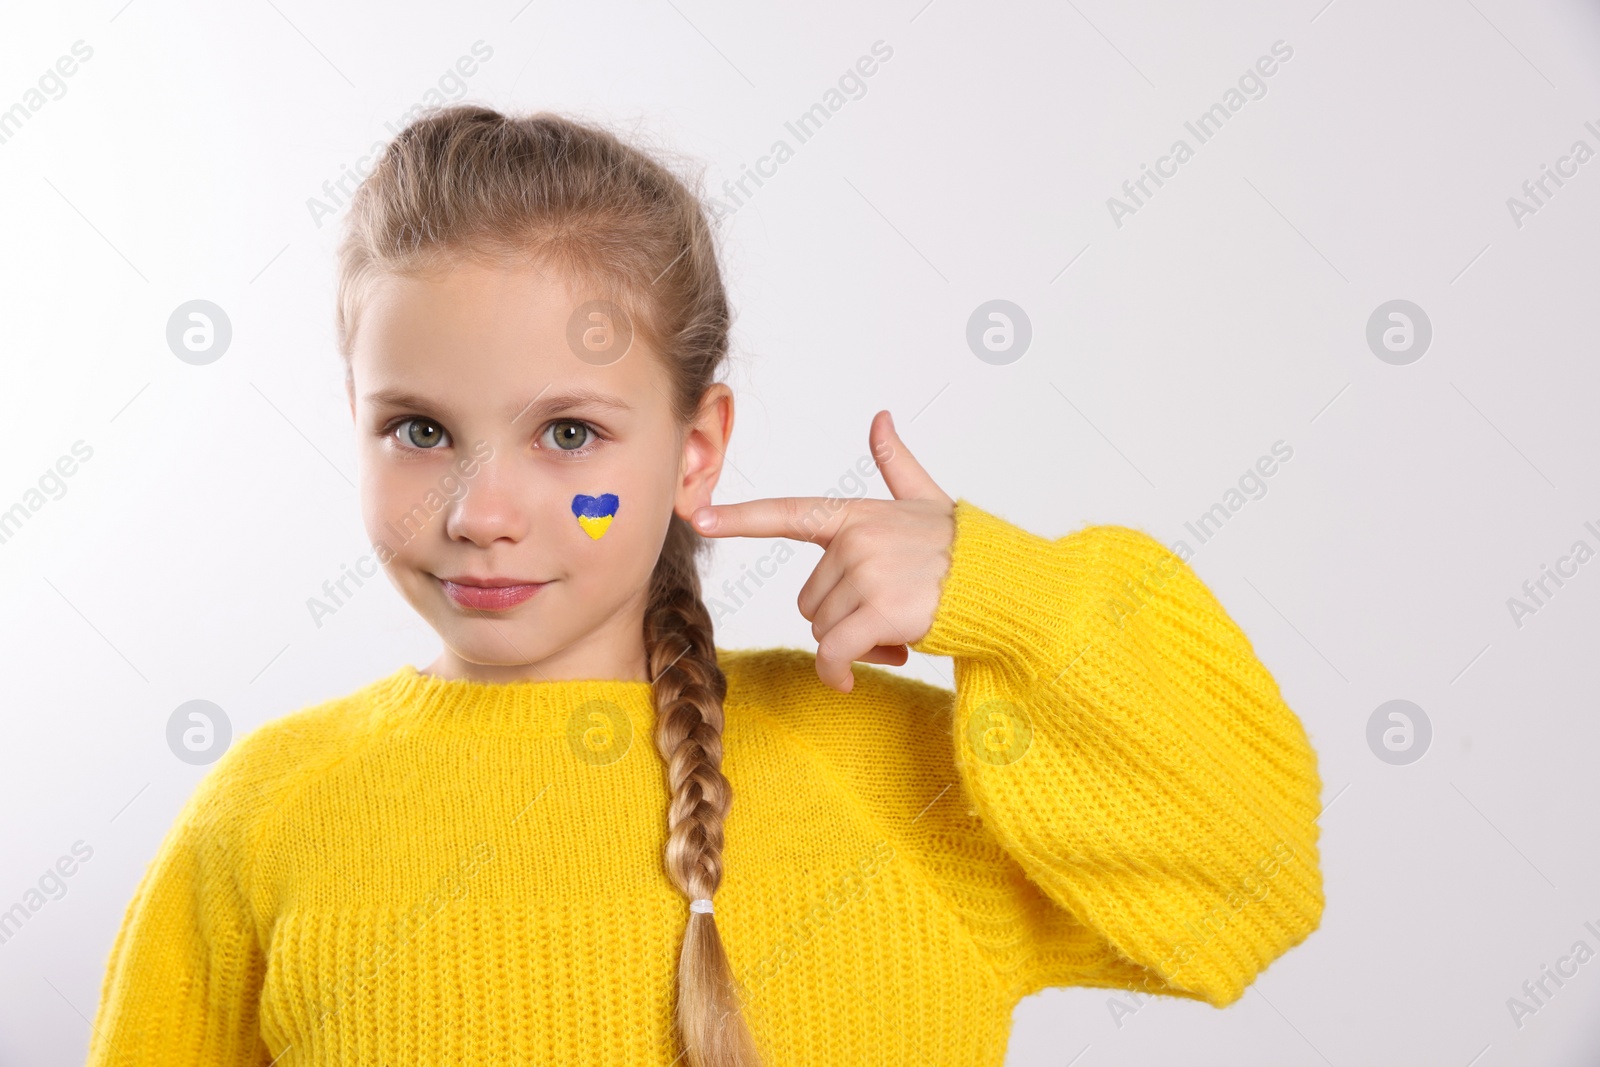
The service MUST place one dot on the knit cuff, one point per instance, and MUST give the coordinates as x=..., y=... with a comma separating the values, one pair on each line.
x=1009, y=594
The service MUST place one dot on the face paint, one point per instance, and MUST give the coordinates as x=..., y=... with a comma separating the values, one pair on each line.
x=595, y=512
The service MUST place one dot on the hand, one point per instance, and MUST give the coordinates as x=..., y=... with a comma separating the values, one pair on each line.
x=876, y=589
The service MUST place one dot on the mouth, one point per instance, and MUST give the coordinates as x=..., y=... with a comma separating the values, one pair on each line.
x=489, y=593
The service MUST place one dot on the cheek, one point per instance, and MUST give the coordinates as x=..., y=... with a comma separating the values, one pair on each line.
x=613, y=530
x=614, y=508
x=389, y=499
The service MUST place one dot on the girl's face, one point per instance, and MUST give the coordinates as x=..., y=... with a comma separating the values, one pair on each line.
x=492, y=449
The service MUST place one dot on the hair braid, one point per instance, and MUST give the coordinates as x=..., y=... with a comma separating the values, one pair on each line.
x=689, y=689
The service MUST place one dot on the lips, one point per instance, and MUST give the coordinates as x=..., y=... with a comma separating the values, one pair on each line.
x=489, y=593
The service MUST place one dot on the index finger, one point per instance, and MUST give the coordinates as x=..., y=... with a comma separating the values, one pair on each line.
x=801, y=518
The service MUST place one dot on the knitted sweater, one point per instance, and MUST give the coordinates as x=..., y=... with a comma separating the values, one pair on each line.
x=432, y=871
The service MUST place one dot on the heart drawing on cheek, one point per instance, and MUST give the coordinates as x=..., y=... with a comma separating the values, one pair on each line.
x=595, y=512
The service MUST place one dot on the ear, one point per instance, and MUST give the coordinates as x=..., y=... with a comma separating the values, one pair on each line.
x=705, y=447
x=350, y=393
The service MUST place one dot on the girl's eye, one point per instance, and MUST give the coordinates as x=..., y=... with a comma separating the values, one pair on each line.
x=570, y=435
x=420, y=433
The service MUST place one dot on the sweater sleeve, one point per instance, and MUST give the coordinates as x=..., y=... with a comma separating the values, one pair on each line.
x=1116, y=735
x=183, y=980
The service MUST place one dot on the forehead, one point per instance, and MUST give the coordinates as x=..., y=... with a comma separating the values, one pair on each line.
x=476, y=332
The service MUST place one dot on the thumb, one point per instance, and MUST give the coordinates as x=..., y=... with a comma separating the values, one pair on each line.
x=904, y=476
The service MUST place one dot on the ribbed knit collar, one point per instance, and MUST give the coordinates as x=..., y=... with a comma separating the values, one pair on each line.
x=422, y=701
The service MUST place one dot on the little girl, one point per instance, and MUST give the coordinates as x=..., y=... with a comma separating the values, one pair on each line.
x=483, y=863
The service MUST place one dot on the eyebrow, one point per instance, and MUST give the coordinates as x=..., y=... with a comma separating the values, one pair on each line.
x=544, y=403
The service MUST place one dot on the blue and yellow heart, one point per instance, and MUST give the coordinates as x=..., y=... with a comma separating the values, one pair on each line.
x=595, y=512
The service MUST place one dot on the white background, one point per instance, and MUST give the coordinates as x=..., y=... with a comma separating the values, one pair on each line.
x=1168, y=354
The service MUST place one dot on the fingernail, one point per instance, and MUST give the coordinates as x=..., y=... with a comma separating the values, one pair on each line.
x=705, y=519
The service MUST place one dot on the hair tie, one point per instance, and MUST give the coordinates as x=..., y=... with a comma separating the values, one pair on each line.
x=702, y=905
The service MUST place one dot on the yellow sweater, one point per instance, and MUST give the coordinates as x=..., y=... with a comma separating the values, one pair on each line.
x=440, y=872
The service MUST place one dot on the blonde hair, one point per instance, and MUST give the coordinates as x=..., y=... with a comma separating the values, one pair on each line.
x=467, y=183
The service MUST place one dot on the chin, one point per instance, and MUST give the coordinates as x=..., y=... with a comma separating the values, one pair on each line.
x=490, y=649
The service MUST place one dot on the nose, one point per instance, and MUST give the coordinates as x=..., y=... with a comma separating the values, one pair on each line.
x=494, y=505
